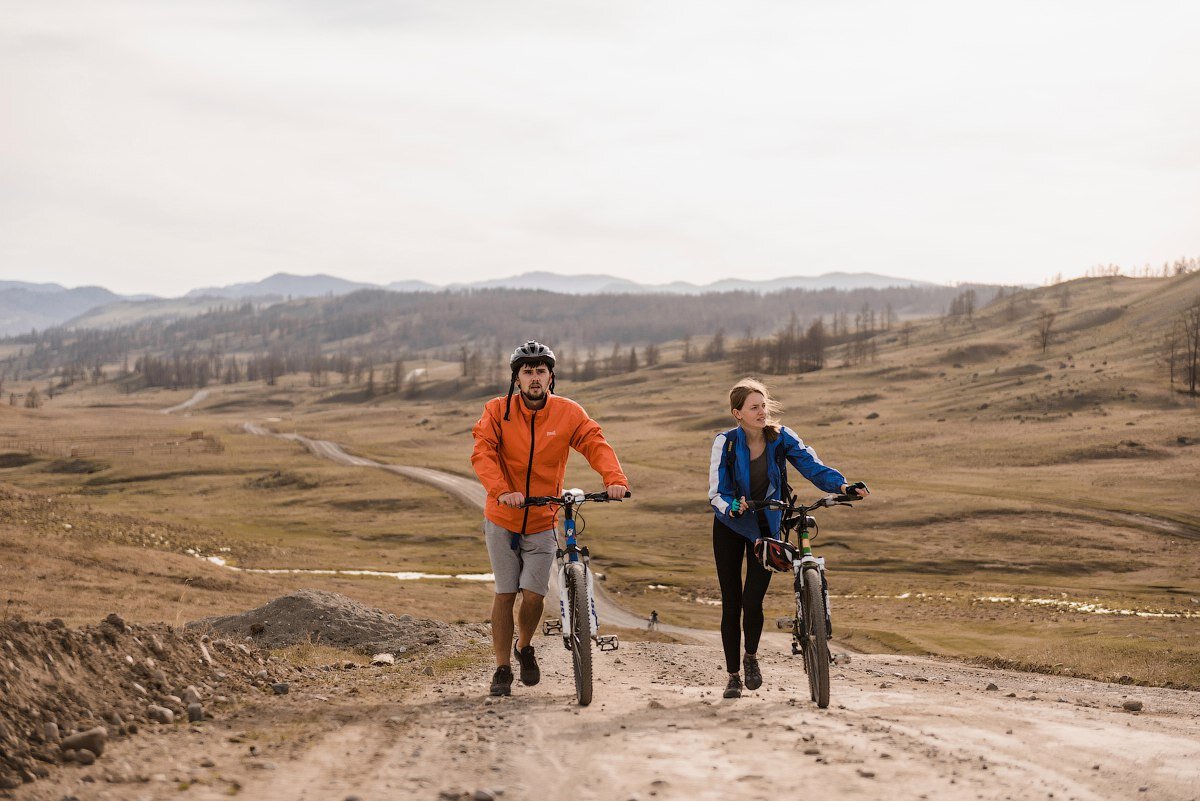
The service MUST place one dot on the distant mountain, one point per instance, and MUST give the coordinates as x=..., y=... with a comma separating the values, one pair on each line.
x=26, y=305
x=284, y=285
x=46, y=305
x=592, y=284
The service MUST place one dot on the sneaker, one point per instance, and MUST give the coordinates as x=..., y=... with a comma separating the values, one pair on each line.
x=734, y=688
x=530, y=673
x=753, y=674
x=502, y=681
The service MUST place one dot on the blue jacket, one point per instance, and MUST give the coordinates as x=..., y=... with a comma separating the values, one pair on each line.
x=725, y=485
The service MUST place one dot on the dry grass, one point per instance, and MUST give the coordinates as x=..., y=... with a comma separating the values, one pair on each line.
x=996, y=477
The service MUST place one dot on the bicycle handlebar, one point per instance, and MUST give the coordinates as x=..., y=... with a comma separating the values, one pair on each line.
x=572, y=497
x=827, y=501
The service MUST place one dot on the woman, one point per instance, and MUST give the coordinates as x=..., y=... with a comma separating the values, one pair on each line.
x=748, y=462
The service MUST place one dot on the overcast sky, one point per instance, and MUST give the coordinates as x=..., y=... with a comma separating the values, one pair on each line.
x=159, y=145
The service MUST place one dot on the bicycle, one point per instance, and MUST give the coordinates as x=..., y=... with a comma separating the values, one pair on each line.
x=576, y=598
x=812, y=625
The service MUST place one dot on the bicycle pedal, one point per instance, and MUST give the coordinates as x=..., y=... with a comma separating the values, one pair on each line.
x=607, y=642
x=551, y=627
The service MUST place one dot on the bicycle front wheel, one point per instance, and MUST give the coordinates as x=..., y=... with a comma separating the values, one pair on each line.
x=816, y=645
x=581, y=631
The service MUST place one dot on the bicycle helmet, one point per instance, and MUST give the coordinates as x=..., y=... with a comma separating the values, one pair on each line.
x=532, y=352
x=775, y=554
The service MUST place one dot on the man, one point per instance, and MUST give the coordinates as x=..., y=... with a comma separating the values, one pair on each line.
x=521, y=449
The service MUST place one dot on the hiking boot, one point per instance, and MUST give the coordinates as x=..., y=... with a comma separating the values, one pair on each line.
x=753, y=674
x=530, y=673
x=734, y=688
x=502, y=681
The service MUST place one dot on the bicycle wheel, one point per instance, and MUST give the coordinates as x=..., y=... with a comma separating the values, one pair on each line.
x=816, y=646
x=581, y=632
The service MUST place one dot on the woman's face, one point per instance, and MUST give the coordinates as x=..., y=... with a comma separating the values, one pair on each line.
x=753, y=414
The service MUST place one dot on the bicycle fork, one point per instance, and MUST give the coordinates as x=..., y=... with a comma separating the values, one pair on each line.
x=799, y=629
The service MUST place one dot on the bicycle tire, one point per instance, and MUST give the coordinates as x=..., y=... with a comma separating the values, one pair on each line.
x=816, y=649
x=581, y=632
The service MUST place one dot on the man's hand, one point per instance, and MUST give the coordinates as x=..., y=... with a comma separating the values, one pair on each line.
x=514, y=499
x=617, y=491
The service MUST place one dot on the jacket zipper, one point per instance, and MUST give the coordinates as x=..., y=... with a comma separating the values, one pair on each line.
x=528, y=471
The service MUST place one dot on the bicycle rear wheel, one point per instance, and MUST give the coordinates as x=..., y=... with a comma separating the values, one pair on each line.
x=816, y=645
x=581, y=632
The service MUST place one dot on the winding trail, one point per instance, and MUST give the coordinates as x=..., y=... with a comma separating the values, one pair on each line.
x=470, y=491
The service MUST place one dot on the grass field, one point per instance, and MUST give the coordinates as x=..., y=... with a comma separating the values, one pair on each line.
x=998, y=472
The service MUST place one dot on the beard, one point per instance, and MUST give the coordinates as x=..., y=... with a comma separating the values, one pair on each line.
x=534, y=394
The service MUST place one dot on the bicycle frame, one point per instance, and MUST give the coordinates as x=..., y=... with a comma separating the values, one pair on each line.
x=806, y=559
x=563, y=556
x=566, y=552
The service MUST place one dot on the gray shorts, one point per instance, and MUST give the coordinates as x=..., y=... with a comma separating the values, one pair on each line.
x=527, y=568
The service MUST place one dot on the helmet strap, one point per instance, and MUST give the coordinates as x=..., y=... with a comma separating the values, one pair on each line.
x=508, y=400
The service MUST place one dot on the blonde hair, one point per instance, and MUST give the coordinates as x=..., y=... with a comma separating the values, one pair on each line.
x=743, y=389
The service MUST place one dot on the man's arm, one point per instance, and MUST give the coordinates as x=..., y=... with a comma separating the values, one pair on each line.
x=589, y=440
x=485, y=458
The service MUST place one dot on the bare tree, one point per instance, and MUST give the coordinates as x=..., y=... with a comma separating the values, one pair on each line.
x=1190, y=321
x=1045, y=329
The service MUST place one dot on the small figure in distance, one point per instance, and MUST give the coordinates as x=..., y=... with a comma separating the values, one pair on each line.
x=521, y=448
x=652, y=623
x=748, y=461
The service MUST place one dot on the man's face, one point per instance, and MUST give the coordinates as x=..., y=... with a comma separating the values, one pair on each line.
x=534, y=381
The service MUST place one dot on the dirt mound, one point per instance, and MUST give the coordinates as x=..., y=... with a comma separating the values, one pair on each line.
x=55, y=682
x=329, y=618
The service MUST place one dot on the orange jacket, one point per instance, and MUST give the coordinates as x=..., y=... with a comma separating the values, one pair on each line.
x=528, y=454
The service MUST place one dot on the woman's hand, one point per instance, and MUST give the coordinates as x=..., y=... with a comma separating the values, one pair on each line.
x=859, y=489
x=738, y=508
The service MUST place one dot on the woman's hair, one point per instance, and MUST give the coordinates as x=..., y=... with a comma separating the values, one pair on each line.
x=742, y=390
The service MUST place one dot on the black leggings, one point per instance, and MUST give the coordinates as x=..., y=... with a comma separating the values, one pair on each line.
x=741, y=606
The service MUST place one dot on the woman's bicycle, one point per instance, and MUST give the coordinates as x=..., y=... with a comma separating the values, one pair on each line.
x=812, y=625
x=579, y=623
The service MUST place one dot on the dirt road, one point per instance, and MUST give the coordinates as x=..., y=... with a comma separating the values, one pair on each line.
x=658, y=728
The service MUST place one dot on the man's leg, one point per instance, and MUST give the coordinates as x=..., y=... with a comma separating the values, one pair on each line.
x=502, y=625
x=530, y=615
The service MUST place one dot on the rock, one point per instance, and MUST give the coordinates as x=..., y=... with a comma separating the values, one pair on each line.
x=9, y=781
x=191, y=695
x=207, y=763
x=114, y=718
x=92, y=739
x=84, y=757
x=428, y=671
x=280, y=688
x=257, y=629
x=157, y=647
x=50, y=731
x=160, y=714
x=195, y=713
x=116, y=621
x=991, y=686
x=173, y=700
x=381, y=660
x=1132, y=706
x=656, y=704
x=483, y=795
x=68, y=755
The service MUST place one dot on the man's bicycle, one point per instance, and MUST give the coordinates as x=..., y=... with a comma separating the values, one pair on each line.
x=812, y=625
x=578, y=623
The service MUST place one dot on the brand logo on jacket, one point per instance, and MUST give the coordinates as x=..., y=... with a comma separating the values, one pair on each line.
x=551, y=433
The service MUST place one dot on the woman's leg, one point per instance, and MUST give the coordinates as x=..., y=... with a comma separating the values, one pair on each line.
x=728, y=547
x=758, y=579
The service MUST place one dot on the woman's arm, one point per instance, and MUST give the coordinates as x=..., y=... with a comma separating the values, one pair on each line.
x=804, y=459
